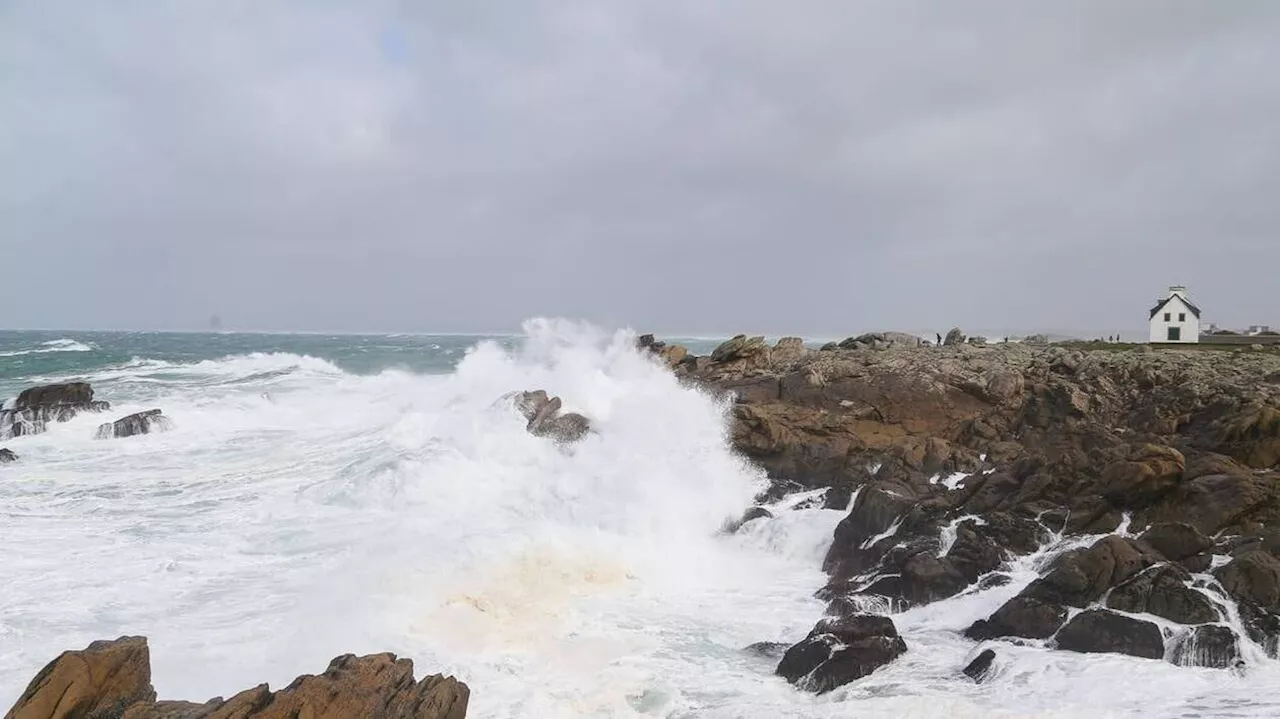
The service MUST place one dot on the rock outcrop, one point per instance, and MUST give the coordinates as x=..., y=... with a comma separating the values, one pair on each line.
x=840, y=650
x=113, y=679
x=7, y=456
x=33, y=409
x=962, y=459
x=152, y=420
x=546, y=420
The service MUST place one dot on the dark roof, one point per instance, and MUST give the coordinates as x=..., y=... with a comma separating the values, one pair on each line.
x=1194, y=310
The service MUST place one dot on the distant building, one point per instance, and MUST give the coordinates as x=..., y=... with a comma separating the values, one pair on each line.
x=1258, y=329
x=1174, y=318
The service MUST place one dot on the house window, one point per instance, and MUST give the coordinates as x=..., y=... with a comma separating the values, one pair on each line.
x=1182, y=316
x=1168, y=316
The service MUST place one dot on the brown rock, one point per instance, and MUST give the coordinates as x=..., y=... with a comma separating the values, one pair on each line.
x=101, y=680
x=113, y=680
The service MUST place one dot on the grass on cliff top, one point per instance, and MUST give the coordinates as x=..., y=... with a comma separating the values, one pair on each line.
x=1095, y=346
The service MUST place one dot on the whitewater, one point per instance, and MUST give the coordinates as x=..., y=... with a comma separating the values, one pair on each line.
x=327, y=495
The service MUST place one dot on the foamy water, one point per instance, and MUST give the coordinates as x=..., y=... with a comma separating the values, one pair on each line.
x=297, y=511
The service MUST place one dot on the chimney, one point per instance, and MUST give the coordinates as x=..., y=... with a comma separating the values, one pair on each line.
x=1178, y=290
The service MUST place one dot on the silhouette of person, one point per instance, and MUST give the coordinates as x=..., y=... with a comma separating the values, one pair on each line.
x=939, y=338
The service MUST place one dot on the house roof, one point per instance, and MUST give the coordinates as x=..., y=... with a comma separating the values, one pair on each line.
x=1194, y=310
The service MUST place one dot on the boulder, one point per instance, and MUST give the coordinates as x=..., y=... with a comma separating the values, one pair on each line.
x=741, y=348
x=881, y=341
x=7, y=456
x=152, y=420
x=788, y=349
x=1210, y=645
x=1021, y=616
x=979, y=670
x=101, y=680
x=841, y=650
x=1176, y=541
x=1163, y=591
x=954, y=337
x=1081, y=577
x=33, y=409
x=1151, y=472
x=546, y=420
x=1101, y=631
x=113, y=680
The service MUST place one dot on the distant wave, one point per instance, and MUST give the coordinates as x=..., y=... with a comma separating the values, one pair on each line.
x=60, y=345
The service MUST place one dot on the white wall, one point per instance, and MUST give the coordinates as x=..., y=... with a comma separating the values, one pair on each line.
x=1190, y=326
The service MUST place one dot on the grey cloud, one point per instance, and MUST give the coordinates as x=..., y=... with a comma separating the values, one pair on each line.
x=820, y=167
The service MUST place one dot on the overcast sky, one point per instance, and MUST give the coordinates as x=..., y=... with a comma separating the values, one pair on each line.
x=686, y=166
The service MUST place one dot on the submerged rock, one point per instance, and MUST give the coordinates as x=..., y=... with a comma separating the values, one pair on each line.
x=979, y=669
x=7, y=455
x=33, y=409
x=146, y=422
x=112, y=679
x=840, y=650
x=546, y=420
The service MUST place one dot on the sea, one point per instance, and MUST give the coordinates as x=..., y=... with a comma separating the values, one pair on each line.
x=319, y=495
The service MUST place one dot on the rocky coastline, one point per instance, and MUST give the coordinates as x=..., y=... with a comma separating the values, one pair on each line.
x=1143, y=481
x=1143, y=485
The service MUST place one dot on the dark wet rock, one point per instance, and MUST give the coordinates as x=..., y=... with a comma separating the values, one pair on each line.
x=152, y=420
x=1163, y=591
x=1021, y=616
x=546, y=419
x=1081, y=577
x=7, y=455
x=770, y=650
x=112, y=680
x=33, y=409
x=1176, y=541
x=841, y=650
x=1198, y=564
x=979, y=669
x=1210, y=645
x=1101, y=631
x=1253, y=577
x=751, y=514
x=1253, y=581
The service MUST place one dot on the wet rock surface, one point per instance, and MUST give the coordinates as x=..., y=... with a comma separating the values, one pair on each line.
x=1156, y=469
x=840, y=650
x=7, y=455
x=112, y=679
x=547, y=420
x=152, y=420
x=1099, y=630
x=34, y=408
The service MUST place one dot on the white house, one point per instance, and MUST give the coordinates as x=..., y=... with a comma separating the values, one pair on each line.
x=1175, y=319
